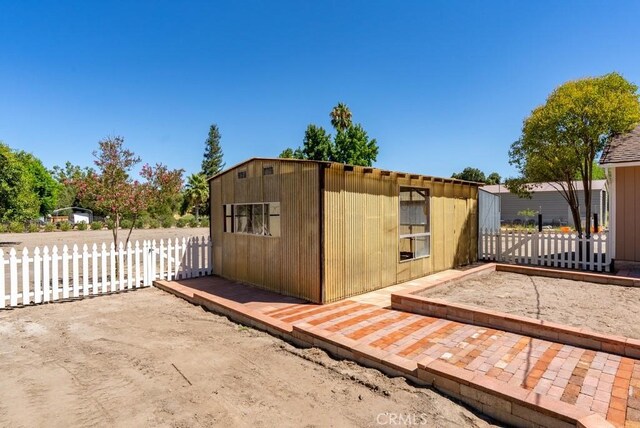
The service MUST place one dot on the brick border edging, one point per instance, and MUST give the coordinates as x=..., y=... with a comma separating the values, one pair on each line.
x=506, y=403
x=502, y=402
x=598, y=278
x=407, y=301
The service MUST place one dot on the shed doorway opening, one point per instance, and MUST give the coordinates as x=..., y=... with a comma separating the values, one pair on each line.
x=415, y=225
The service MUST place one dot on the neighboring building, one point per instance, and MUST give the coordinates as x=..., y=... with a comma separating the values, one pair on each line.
x=74, y=215
x=621, y=159
x=325, y=231
x=547, y=200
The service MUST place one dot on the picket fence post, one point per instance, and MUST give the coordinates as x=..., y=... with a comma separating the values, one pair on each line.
x=3, y=291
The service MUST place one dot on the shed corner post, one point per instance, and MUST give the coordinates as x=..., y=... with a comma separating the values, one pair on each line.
x=321, y=219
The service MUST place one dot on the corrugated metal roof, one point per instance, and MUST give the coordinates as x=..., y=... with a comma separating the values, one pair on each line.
x=623, y=148
x=366, y=169
x=545, y=187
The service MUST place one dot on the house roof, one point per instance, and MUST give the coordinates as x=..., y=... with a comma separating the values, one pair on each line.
x=545, y=187
x=347, y=167
x=622, y=148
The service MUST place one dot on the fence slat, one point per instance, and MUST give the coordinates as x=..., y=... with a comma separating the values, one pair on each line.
x=120, y=266
x=169, y=258
x=65, y=272
x=137, y=252
x=177, y=261
x=75, y=257
x=129, y=266
x=103, y=259
x=37, y=284
x=46, y=278
x=13, y=278
x=112, y=265
x=25, y=277
x=85, y=270
x=55, y=259
x=3, y=291
x=94, y=269
x=161, y=273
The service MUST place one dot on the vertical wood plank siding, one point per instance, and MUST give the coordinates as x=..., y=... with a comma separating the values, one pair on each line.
x=289, y=264
x=362, y=237
x=627, y=209
x=338, y=238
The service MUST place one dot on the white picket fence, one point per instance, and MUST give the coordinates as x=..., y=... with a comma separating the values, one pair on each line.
x=44, y=275
x=555, y=249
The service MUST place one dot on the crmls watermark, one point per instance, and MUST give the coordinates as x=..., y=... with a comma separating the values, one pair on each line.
x=402, y=419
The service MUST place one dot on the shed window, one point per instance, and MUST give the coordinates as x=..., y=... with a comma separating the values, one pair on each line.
x=267, y=170
x=415, y=227
x=254, y=219
x=242, y=174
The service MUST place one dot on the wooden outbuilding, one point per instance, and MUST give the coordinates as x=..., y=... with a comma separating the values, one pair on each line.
x=324, y=231
x=621, y=160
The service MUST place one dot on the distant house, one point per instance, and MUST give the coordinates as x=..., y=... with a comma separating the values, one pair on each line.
x=621, y=159
x=547, y=200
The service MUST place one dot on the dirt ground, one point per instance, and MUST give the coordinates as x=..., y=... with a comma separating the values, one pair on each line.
x=599, y=307
x=80, y=237
x=146, y=358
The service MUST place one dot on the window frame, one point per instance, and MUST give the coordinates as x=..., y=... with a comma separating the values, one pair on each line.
x=266, y=212
x=412, y=236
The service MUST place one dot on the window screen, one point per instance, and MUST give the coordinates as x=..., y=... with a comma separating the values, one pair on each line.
x=255, y=219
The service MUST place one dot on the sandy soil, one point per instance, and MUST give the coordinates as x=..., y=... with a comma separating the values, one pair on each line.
x=600, y=307
x=146, y=358
x=80, y=237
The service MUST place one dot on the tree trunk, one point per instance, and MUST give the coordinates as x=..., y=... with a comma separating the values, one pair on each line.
x=114, y=231
x=133, y=223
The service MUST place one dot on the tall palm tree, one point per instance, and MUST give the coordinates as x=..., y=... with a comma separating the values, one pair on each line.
x=341, y=117
x=196, y=192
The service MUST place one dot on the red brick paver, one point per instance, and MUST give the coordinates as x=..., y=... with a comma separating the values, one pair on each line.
x=604, y=383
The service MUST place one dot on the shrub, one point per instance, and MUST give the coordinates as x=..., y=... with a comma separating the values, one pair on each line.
x=49, y=227
x=97, y=225
x=204, y=222
x=33, y=227
x=82, y=226
x=167, y=221
x=154, y=223
x=3, y=228
x=140, y=222
x=16, y=227
x=193, y=223
x=110, y=224
x=188, y=217
x=182, y=222
x=125, y=223
x=65, y=226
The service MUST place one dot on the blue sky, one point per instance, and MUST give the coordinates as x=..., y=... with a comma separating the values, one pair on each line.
x=440, y=84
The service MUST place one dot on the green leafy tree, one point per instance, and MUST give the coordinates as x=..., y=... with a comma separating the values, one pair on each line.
x=112, y=189
x=17, y=200
x=40, y=182
x=351, y=144
x=212, y=162
x=66, y=177
x=317, y=144
x=561, y=139
x=470, y=174
x=493, y=178
x=288, y=153
x=196, y=194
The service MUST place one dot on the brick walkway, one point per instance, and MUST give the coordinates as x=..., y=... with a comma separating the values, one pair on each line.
x=604, y=383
